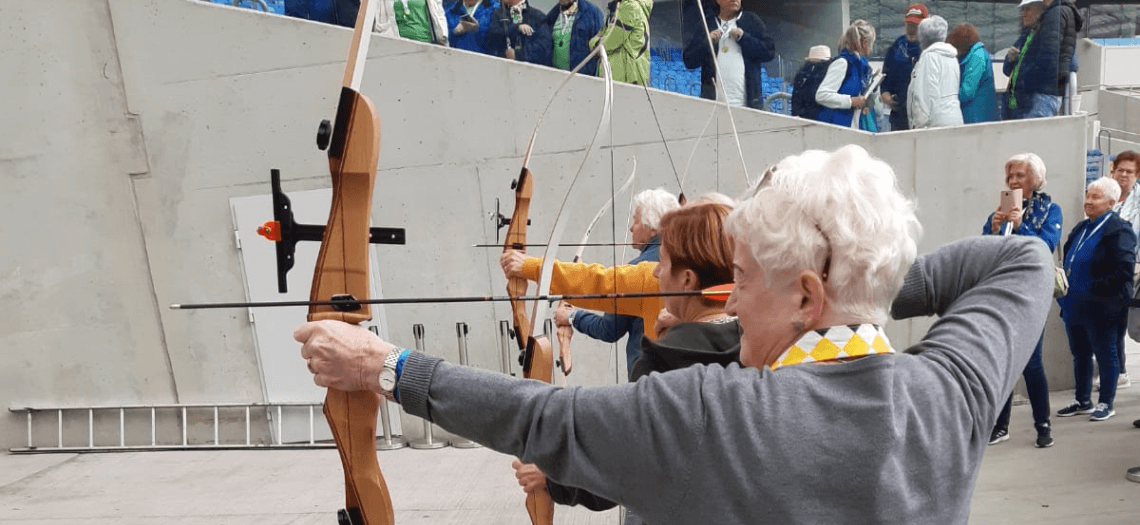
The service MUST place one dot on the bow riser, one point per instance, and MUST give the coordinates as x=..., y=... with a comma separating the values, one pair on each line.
x=516, y=237
x=342, y=266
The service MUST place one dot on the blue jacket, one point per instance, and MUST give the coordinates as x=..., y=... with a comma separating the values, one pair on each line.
x=977, y=93
x=756, y=45
x=1040, y=217
x=534, y=49
x=611, y=327
x=587, y=23
x=477, y=41
x=858, y=74
x=1100, y=273
x=897, y=66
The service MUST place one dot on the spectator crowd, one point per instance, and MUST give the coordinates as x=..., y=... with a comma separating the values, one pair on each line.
x=933, y=75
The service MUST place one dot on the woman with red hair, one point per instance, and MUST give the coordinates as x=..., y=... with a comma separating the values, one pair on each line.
x=976, y=91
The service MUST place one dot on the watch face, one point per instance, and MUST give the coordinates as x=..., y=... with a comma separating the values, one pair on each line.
x=388, y=380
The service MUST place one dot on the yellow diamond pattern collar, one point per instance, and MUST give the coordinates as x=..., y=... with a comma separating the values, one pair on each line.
x=836, y=342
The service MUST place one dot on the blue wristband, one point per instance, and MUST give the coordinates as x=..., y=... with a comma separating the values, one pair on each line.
x=399, y=370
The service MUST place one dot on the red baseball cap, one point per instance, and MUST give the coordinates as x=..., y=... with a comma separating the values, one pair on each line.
x=916, y=13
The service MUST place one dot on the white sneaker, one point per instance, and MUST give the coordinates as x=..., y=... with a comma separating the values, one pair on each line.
x=1123, y=382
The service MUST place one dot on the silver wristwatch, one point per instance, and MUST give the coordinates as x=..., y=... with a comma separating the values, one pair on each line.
x=388, y=373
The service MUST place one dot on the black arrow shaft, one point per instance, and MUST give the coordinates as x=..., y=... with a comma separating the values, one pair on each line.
x=441, y=300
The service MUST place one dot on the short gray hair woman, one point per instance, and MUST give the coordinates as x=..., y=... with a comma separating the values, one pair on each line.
x=932, y=30
x=654, y=204
x=822, y=249
x=932, y=98
x=1099, y=258
x=1035, y=165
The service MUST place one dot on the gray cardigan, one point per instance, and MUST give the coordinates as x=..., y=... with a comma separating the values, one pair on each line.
x=894, y=438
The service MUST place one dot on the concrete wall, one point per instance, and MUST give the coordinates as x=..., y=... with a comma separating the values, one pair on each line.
x=139, y=124
x=1107, y=66
x=1119, y=114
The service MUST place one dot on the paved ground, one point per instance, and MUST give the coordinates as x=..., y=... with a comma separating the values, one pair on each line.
x=1080, y=480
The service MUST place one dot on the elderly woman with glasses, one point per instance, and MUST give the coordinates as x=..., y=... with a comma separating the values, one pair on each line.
x=1037, y=216
x=1099, y=257
x=820, y=402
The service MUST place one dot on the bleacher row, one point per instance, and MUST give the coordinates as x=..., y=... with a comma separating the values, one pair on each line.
x=667, y=70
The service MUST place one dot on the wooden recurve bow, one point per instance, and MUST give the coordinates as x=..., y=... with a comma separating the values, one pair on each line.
x=341, y=274
x=536, y=356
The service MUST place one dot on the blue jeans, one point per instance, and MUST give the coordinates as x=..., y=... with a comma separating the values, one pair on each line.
x=1034, y=105
x=1037, y=386
x=1095, y=336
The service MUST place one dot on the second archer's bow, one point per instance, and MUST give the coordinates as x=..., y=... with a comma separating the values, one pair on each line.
x=536, y=355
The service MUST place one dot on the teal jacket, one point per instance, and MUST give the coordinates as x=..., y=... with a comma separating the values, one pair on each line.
x=976, y=94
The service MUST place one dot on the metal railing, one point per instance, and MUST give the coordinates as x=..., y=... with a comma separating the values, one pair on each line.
x=272, y=411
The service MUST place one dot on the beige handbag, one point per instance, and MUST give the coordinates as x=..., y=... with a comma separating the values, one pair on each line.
x=1060, y=282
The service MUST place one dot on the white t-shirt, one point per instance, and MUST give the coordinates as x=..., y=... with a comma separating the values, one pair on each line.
x=731, y=62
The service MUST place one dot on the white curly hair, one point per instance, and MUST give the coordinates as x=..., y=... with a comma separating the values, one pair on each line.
x=841, y=210
x=654, y=204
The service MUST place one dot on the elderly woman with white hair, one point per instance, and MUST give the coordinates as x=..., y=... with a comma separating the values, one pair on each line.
x=1037, y=216
x=1099, y=257
x=932, y=99
x=820, y=402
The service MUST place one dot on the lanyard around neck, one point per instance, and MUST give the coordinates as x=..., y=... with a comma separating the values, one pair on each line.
x=1085, y=235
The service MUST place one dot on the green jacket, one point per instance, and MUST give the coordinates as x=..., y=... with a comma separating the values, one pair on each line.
x=627, y=41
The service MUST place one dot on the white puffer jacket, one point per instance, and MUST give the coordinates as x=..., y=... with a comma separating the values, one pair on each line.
x=932, y=100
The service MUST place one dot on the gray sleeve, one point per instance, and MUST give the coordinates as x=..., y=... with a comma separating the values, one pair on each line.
x=619, y=442
x=992, y=296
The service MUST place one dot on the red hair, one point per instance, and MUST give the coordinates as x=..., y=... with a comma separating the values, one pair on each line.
x=695, y=239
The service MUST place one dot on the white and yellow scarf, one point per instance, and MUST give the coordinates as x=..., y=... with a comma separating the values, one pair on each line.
x=834, y=343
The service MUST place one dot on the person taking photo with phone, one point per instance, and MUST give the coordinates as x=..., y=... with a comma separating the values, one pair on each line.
x=1038, y=216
